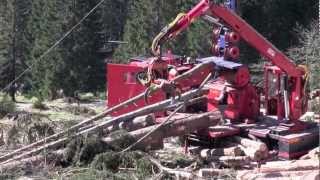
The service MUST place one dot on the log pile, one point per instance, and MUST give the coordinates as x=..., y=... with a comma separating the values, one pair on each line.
x=313, y=154
x=132, y=121
x=305, y=168
x=148, y=134
x=257, y=151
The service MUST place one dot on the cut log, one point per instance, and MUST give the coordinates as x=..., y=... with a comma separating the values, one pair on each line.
x=211, y=173
x=254, y=154
x=313, y=154
x=260, y=146
x=298, y=165
x=178, y=127
x=285, y=175
x=230, y=161
x=161, y=106
x=138, y=123
x=231, y=151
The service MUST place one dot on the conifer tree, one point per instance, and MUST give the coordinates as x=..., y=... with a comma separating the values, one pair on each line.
x=13, y=40
x=83, y=69
x=139, y=29
x=44, y=30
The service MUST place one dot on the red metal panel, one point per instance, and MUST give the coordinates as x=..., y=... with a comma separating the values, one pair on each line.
x=122, y=85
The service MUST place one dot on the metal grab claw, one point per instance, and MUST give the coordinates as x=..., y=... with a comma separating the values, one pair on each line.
x=166, y=86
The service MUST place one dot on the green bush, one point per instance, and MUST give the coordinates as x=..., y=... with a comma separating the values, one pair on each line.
x=38, y=104
x=315, y=106
x=6, y=106
x=308, y=52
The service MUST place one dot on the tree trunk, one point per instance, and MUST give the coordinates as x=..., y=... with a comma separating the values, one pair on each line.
x=35, y=148
x=143, y=111
x=298, y=165
x=178, y=127
x=306, y=175
x=33, y=161
x=138, y=123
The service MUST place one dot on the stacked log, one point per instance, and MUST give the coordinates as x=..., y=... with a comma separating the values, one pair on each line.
x=230, y=157
x=231, y=151
x=232, y=161
x=257, y=151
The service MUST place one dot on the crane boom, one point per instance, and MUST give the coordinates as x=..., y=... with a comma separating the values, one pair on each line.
x=246, y=31
x=293, y=77
x=255, y=39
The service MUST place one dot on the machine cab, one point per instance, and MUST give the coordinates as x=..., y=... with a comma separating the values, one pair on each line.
x=274, y=88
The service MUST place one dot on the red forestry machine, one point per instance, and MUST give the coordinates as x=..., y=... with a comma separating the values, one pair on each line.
x=272, y=114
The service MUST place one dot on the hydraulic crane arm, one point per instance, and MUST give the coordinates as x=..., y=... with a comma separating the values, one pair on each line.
x=255, y=39
x=247, y=32
x=181, y=22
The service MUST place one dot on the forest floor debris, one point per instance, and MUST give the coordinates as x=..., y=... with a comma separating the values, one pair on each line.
x=91, y=158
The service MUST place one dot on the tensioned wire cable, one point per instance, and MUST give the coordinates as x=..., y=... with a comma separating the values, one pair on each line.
x=53, y=46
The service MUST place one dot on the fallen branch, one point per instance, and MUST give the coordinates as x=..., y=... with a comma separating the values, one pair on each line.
x=34, y=161
x=161, y=106
x=176, y=172
x=74, y=128
x=179, y=127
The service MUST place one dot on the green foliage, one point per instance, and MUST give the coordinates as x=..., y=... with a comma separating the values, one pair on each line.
x=308, y=52
x=139, y=29
x=146, y=18
x=38, y=104
x=121, y=140
x=29, y=27
x=83, y=67
x=82, y=150
x=276, y=19
x=315, y=106
x=112, y=161
x=6, y=106
x=28, y=128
